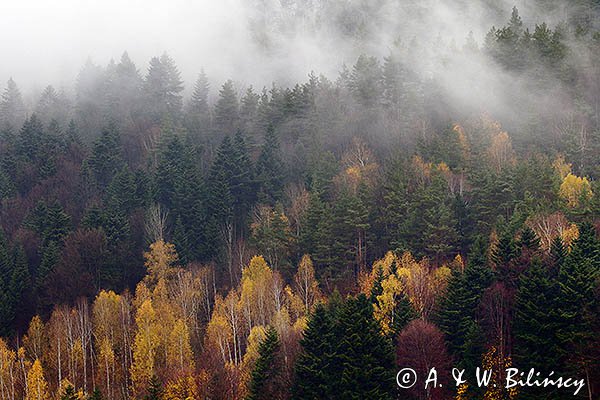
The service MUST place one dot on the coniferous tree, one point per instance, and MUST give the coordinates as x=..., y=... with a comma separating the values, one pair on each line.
x=577, y=280
x=266, y=382
x=315, y=369
x=536, y=323
x=458, y=307
x=366, y=355
x=69, y=393
x=197, y=118
x=154, y=390
x=12, y=109
x=226, y=110
x=105, y=160
x=269, y=169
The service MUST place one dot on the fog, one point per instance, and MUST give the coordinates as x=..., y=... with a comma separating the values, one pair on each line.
x=255, y=42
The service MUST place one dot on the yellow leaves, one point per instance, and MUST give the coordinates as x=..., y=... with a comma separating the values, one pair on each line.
x=34, y=341
x=575, y=190
x=7, y=367
x=183, y=388
x=496, y=362
x=561, y=167
x=257, y=335
x=106, y=314
x=461, y=392
x=160, y=260
x=179, y=352
x=386, y=302
x=359, y=164
x=146, y=342
x=569, y=235
x=37, y=387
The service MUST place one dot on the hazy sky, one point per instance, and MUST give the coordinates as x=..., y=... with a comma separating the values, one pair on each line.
x=251, y=41
x=50, y=40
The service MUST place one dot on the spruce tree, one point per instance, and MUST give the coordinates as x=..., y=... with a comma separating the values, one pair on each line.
x=577, y=280
x=69, y=393
x=265, y=383
x=316, y=373
x=366, y=355
x=96, y=395
x=536, y=323
x=227, y=110
x=457, y=310
x=269, y=169
x=12, y=109
x=154, y=390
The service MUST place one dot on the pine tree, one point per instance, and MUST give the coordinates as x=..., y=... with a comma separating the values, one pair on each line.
x=197, y=118
x=266, y=378
x=106, y=160
x=7, y=303
x=162, y=88
x=96, y=395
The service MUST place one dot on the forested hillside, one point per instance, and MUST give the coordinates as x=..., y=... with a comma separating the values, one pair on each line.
x=306, y=242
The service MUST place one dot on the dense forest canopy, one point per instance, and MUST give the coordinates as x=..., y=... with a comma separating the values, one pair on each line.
x=216, y=240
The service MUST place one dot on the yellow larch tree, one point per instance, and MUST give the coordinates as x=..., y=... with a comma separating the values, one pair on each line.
x=160, y=261
x=37, y=387
x=146, y=342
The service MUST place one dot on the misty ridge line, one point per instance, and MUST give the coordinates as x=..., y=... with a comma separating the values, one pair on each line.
x=288, y=39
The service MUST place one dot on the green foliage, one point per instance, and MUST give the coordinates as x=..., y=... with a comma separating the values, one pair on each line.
x=154, y=390
x=458, y=307
x=266, y=377
x=69, y=393
x=344, y=356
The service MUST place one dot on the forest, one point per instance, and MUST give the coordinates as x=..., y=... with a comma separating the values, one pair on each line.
x=307, y=241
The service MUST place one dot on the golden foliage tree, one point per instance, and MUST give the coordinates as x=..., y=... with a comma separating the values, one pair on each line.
x=146, y=342
x=575, y=190
x=37, y=387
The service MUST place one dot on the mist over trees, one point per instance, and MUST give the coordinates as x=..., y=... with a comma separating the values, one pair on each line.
x=171, y=239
